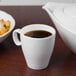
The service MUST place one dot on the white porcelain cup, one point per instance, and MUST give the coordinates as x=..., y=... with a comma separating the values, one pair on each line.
x=37, y=51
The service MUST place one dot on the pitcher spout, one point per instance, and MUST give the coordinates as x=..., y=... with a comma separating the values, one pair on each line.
x=48, y=9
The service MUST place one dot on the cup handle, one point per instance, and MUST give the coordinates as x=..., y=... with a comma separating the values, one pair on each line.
x=15, y=37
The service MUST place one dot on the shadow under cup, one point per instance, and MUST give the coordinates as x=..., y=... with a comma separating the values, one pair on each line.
x=37, y=51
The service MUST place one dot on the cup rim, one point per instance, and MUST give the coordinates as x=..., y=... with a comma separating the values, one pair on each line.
x=53, y=31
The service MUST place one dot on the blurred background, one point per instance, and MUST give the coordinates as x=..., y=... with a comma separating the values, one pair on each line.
x=31, y=2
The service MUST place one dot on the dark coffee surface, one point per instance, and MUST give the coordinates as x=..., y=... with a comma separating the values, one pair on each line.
x=38, y=34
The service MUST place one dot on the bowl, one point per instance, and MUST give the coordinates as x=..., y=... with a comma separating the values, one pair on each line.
x=5, y=16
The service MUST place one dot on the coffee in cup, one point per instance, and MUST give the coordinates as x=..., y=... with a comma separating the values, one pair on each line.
x=38, y=33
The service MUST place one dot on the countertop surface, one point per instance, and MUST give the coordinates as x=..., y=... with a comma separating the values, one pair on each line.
x=12, y=62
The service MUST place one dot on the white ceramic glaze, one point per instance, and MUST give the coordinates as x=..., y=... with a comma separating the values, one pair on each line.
x=64, y=17
x=67, y=17
x=37, y=51
x=6, y=16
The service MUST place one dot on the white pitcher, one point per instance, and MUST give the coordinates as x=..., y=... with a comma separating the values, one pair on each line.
x=64, y=17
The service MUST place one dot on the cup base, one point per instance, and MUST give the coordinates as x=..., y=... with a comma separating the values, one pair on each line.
x=38, y=68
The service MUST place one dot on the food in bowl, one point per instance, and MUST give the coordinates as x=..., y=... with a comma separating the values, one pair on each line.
x=4, y=26
x=9, y=21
